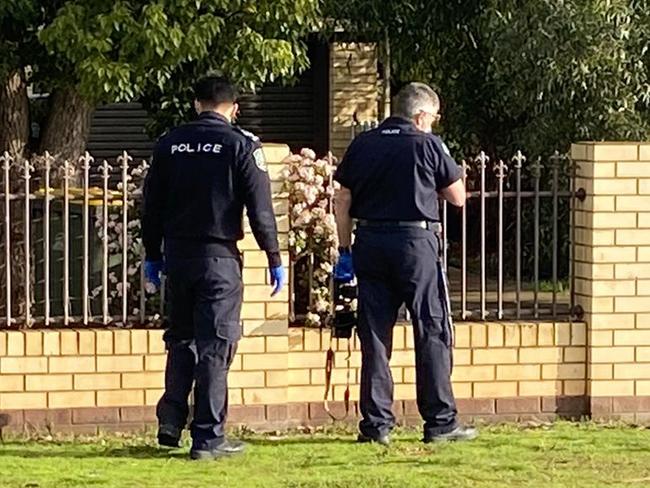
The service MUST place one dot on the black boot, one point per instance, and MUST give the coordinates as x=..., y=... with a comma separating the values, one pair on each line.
x=226, y=448
x=384, y=439
x=169, y=435
x=458, y=434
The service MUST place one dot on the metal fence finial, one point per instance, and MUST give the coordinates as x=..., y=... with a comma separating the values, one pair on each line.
x=518, y=159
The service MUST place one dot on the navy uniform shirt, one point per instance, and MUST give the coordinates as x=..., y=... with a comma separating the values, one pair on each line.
x=202, y=176
x=395, y=171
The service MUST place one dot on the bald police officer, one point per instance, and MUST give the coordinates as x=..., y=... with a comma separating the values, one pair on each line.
x=391, y=178
x=203, y=175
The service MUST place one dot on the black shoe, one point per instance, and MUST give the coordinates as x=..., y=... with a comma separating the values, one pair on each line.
x=384, y=439
x=226, y=448
x=458, y=434
x=169, y=435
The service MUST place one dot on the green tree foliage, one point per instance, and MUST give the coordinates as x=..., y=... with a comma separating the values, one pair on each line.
x=20, y=55
x=536, y=74
x=94, y=51
x=15, y=18
x=533, y=75
x=155, y=49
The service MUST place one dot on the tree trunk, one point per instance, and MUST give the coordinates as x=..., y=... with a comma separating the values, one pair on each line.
x=14, y=136
x=14, y=115
x=66, y=133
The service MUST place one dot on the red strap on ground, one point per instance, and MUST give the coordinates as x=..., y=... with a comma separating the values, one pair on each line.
x=329, y=368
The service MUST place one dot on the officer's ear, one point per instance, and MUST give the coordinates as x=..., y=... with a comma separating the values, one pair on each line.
x=198, y=107
x=420, y=121
x=235, y=112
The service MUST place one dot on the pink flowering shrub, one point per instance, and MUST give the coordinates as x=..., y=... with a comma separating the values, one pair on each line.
x=135, y=182
x=312, y=234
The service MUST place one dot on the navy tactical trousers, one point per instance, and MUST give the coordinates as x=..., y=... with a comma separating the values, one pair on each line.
x=205, y=296
x=395, y=266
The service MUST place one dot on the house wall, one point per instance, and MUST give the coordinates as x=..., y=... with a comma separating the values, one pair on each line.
x=354, y=89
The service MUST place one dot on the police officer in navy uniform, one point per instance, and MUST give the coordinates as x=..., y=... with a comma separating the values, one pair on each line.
x=202, y=176
x=391, y=178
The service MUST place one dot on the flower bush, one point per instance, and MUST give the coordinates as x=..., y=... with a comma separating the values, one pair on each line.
x=313, y=238
x=115, y=231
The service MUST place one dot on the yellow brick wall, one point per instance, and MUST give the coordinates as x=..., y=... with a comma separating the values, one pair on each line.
x=99, y=377
x=262, y=314
x=492, y=360
x=354, y=90
x=613, y=264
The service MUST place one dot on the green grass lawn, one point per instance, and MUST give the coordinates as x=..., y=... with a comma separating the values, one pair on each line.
x=561, y=455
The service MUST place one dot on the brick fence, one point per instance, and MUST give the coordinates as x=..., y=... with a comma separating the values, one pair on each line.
x=613, y=272
x=81, y=380
x=85, y=380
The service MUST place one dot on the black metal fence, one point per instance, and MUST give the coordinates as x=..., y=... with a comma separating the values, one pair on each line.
x=510, y=255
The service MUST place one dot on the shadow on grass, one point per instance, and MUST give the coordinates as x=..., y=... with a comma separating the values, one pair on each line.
x=33, y=450
x=401, y=446
x=82, y=452
x=297, y=441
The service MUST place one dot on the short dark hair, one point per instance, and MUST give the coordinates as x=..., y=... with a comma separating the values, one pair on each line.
x=215, y=90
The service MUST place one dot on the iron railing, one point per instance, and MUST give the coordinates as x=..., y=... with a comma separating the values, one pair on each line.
x=501, y=202
x=103, y=250
x=511, y=253
x=77, y=255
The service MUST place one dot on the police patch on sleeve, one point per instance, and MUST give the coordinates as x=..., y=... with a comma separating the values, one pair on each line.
x=248, y=134
x=260, y=160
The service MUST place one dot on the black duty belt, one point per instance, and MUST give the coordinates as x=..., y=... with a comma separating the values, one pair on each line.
x=421, y=224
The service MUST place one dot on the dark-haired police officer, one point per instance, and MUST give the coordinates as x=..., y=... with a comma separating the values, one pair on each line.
x=203, y=175
x=391, y=178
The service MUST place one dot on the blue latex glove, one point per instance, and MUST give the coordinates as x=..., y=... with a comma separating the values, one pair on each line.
x=344, y=269
x=152, y=271
x=278, y=279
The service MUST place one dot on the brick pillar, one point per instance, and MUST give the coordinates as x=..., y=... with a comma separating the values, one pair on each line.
x=353, y=90
x=261, y=313
x=261, y=384
x=613, y=274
